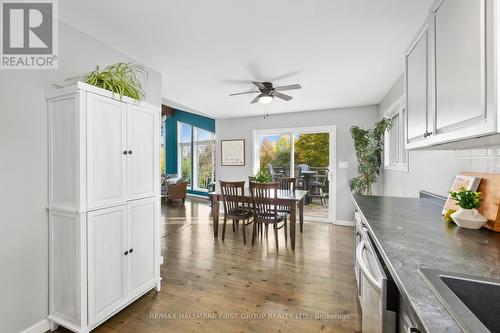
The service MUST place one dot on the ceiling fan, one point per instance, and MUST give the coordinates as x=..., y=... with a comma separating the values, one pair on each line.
x=267, y=92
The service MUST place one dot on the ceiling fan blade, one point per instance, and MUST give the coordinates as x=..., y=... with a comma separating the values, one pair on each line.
x=282, y=96
x=259, y=85
x=255, y=100
x=245, y=92
x=289, y=87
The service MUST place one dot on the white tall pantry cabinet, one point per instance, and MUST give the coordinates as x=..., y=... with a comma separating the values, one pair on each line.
x=104, y=204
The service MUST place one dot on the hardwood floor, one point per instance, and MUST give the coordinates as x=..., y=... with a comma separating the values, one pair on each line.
x=214, y=286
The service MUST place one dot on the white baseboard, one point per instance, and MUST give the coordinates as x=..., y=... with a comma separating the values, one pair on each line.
x=199, y=196
x=345, y=223
x=40, y=327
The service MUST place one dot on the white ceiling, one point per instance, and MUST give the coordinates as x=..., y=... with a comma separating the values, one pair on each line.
x=343, y=52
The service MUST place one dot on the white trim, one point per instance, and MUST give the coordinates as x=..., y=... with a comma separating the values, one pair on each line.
x=332, y=131
x=397, y=108
x=197, y=196
x=40, y=327
x=318, y=219
x=344, y=223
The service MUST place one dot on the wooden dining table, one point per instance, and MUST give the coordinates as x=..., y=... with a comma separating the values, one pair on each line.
x=291, y=199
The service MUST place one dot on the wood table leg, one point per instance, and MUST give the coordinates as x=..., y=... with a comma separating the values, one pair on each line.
x=293, y=223
x=301, y=215
x=215, y=215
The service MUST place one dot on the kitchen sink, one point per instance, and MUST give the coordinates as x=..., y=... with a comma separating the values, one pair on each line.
x=473, y=301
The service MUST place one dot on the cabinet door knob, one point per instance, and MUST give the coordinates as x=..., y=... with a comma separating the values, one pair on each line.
x=131, y=250
x=125, y=253
x=124, y=152
x=130, y=152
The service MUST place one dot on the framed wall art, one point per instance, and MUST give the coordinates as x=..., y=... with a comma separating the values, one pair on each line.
x=232, y=152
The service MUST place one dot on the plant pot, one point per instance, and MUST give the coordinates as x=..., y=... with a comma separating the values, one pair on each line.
x=469, y=218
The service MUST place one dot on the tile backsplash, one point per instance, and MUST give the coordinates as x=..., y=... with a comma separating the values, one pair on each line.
x=484, y=160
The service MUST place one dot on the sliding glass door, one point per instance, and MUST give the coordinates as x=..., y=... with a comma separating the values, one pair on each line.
x=306, y=154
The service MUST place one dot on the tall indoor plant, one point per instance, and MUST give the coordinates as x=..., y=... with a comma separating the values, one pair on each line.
x=368, y=144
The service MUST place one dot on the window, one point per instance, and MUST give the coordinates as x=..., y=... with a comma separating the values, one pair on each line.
x=275, y=152
x=204, y=159
x=196, y=156
x=185, y=134
x=395, y=154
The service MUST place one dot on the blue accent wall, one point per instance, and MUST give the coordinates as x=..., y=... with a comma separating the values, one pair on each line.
x=205, y=123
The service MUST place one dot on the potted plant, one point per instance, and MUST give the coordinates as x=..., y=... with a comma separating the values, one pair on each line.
x=368, y=145
x=120, y=78
x=467, y=216
x=263, y=176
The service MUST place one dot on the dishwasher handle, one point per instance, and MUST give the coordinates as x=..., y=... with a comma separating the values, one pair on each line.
x=359, y=258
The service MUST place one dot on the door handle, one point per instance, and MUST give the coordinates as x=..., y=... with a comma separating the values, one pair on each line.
x=125, y=253
x=131, y=250
x=359, y=259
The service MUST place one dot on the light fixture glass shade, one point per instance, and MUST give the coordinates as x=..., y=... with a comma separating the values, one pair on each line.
x=265, y=99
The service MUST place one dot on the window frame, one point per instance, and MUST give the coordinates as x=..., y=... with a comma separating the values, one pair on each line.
x=402, y=164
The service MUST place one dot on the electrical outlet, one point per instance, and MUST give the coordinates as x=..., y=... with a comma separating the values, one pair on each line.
x=343, y=165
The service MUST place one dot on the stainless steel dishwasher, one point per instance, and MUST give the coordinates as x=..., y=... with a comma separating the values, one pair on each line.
x=374, y=292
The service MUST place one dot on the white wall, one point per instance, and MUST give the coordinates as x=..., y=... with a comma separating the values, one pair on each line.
x=433, y=170
x=343, y=119
x=23, y=174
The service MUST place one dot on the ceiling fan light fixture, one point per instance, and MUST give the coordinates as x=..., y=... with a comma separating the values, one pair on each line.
x=265, y=98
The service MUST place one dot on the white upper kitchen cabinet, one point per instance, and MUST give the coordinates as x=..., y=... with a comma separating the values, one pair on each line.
x=417, y=86
x=103, y=150
x=451, y=77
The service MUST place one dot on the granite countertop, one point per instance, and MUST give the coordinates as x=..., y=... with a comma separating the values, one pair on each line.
x=410, y=233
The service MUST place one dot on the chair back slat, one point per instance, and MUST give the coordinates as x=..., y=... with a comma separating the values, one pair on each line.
x=233, y=197
x=264, y=198
x=287, y=183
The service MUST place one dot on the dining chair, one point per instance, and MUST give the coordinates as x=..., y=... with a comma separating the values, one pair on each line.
x=275, y=171
x=300, y=178
x=265, y=206
x=286, y=184
x=235, y=207
x=318, y=184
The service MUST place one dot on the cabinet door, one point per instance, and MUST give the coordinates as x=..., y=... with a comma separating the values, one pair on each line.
x=107, y=261
x=143, y=152
x=460, y=55
x=417, y=79
x=106, y=143
x=142, y=243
